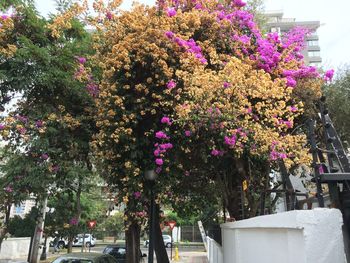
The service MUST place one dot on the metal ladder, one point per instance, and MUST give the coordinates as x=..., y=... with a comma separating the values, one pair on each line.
x=333, y=170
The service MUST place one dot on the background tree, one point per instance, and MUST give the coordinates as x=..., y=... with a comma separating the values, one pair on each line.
x=337, y=96
x=23, y=227
x=62, y=221
x=53, y=123
x=112, y=225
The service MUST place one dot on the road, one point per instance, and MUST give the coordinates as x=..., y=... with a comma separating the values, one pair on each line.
x=184, y=252
x=99, y=249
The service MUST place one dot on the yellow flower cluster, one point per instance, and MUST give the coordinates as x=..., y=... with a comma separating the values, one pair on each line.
x=6, y=27
x=242, y=97
x=63, y=21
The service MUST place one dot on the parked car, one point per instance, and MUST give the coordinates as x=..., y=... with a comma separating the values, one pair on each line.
x=119, y=253
x=89, y=241
x=166, y=239
x=85, y=258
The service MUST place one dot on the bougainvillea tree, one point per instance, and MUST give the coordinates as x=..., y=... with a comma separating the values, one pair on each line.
x=52, y=124
x=198, y=76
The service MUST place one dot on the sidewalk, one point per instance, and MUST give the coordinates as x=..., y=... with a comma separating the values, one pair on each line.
x=192, y=257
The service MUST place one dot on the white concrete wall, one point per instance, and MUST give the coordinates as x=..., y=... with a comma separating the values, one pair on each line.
x=14, y=248
x=304, y=236
x=214, y=252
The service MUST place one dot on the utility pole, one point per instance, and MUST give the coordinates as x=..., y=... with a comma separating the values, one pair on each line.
x=38, y=234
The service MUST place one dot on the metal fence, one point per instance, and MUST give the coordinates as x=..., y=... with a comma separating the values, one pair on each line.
x=187, y=234
x=191, y=234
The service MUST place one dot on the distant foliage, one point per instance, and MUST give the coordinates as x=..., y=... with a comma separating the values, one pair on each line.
x=337, y=98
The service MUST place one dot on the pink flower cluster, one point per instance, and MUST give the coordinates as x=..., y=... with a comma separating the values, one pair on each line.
x=81, y=60
x=275, y=155
x=226, y=85
x=171, y=84
x=161, y=135
x=109, y=15
x=44, y=156
x=8, y=189
x=214, y=111
x=189, y=45
x=22, y=130
x=171, y=12
x=55, y=168
x=231, y=140
x=166, y=120
x=244, y=39
x=7, y=14
x=303, y=72
x=92, y=88
x=215, y=152
x=79, y=72
x=268, y=55
x=137, y=195
x=161, y=148
x=21, y=118
x=2, y=126
x=294, y=40
x=140, y=213
x=74, y=221
x=328, y=76
x=239, y=3
x=39, y=123
x=291, y=82
x=293, y=109
x=320, y=169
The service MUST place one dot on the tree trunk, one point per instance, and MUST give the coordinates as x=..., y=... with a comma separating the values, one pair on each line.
x=161, y=253
x=77, y=215
x=233, y=204
x=70, y=244
x=39, y=229
x=3, y=231
x=132, y=237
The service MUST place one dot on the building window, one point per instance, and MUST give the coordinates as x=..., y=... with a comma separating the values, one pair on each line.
x=313, y=34
x=273, y=19
x=19, y=209
x=312, y=43
x=315, y=64
x=314, y=53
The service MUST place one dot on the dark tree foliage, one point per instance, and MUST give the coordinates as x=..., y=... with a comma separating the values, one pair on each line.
x=337, y=98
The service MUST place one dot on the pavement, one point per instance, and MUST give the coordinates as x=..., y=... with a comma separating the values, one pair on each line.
x=192, y=257
x=184, y=257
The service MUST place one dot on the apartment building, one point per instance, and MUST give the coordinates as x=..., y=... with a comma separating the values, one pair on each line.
x=278, y=23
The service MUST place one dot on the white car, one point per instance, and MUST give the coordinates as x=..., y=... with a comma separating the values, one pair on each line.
x=166, y=238
x=89, y=241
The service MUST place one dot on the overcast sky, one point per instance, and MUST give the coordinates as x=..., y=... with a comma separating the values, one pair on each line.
x=334, y=16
